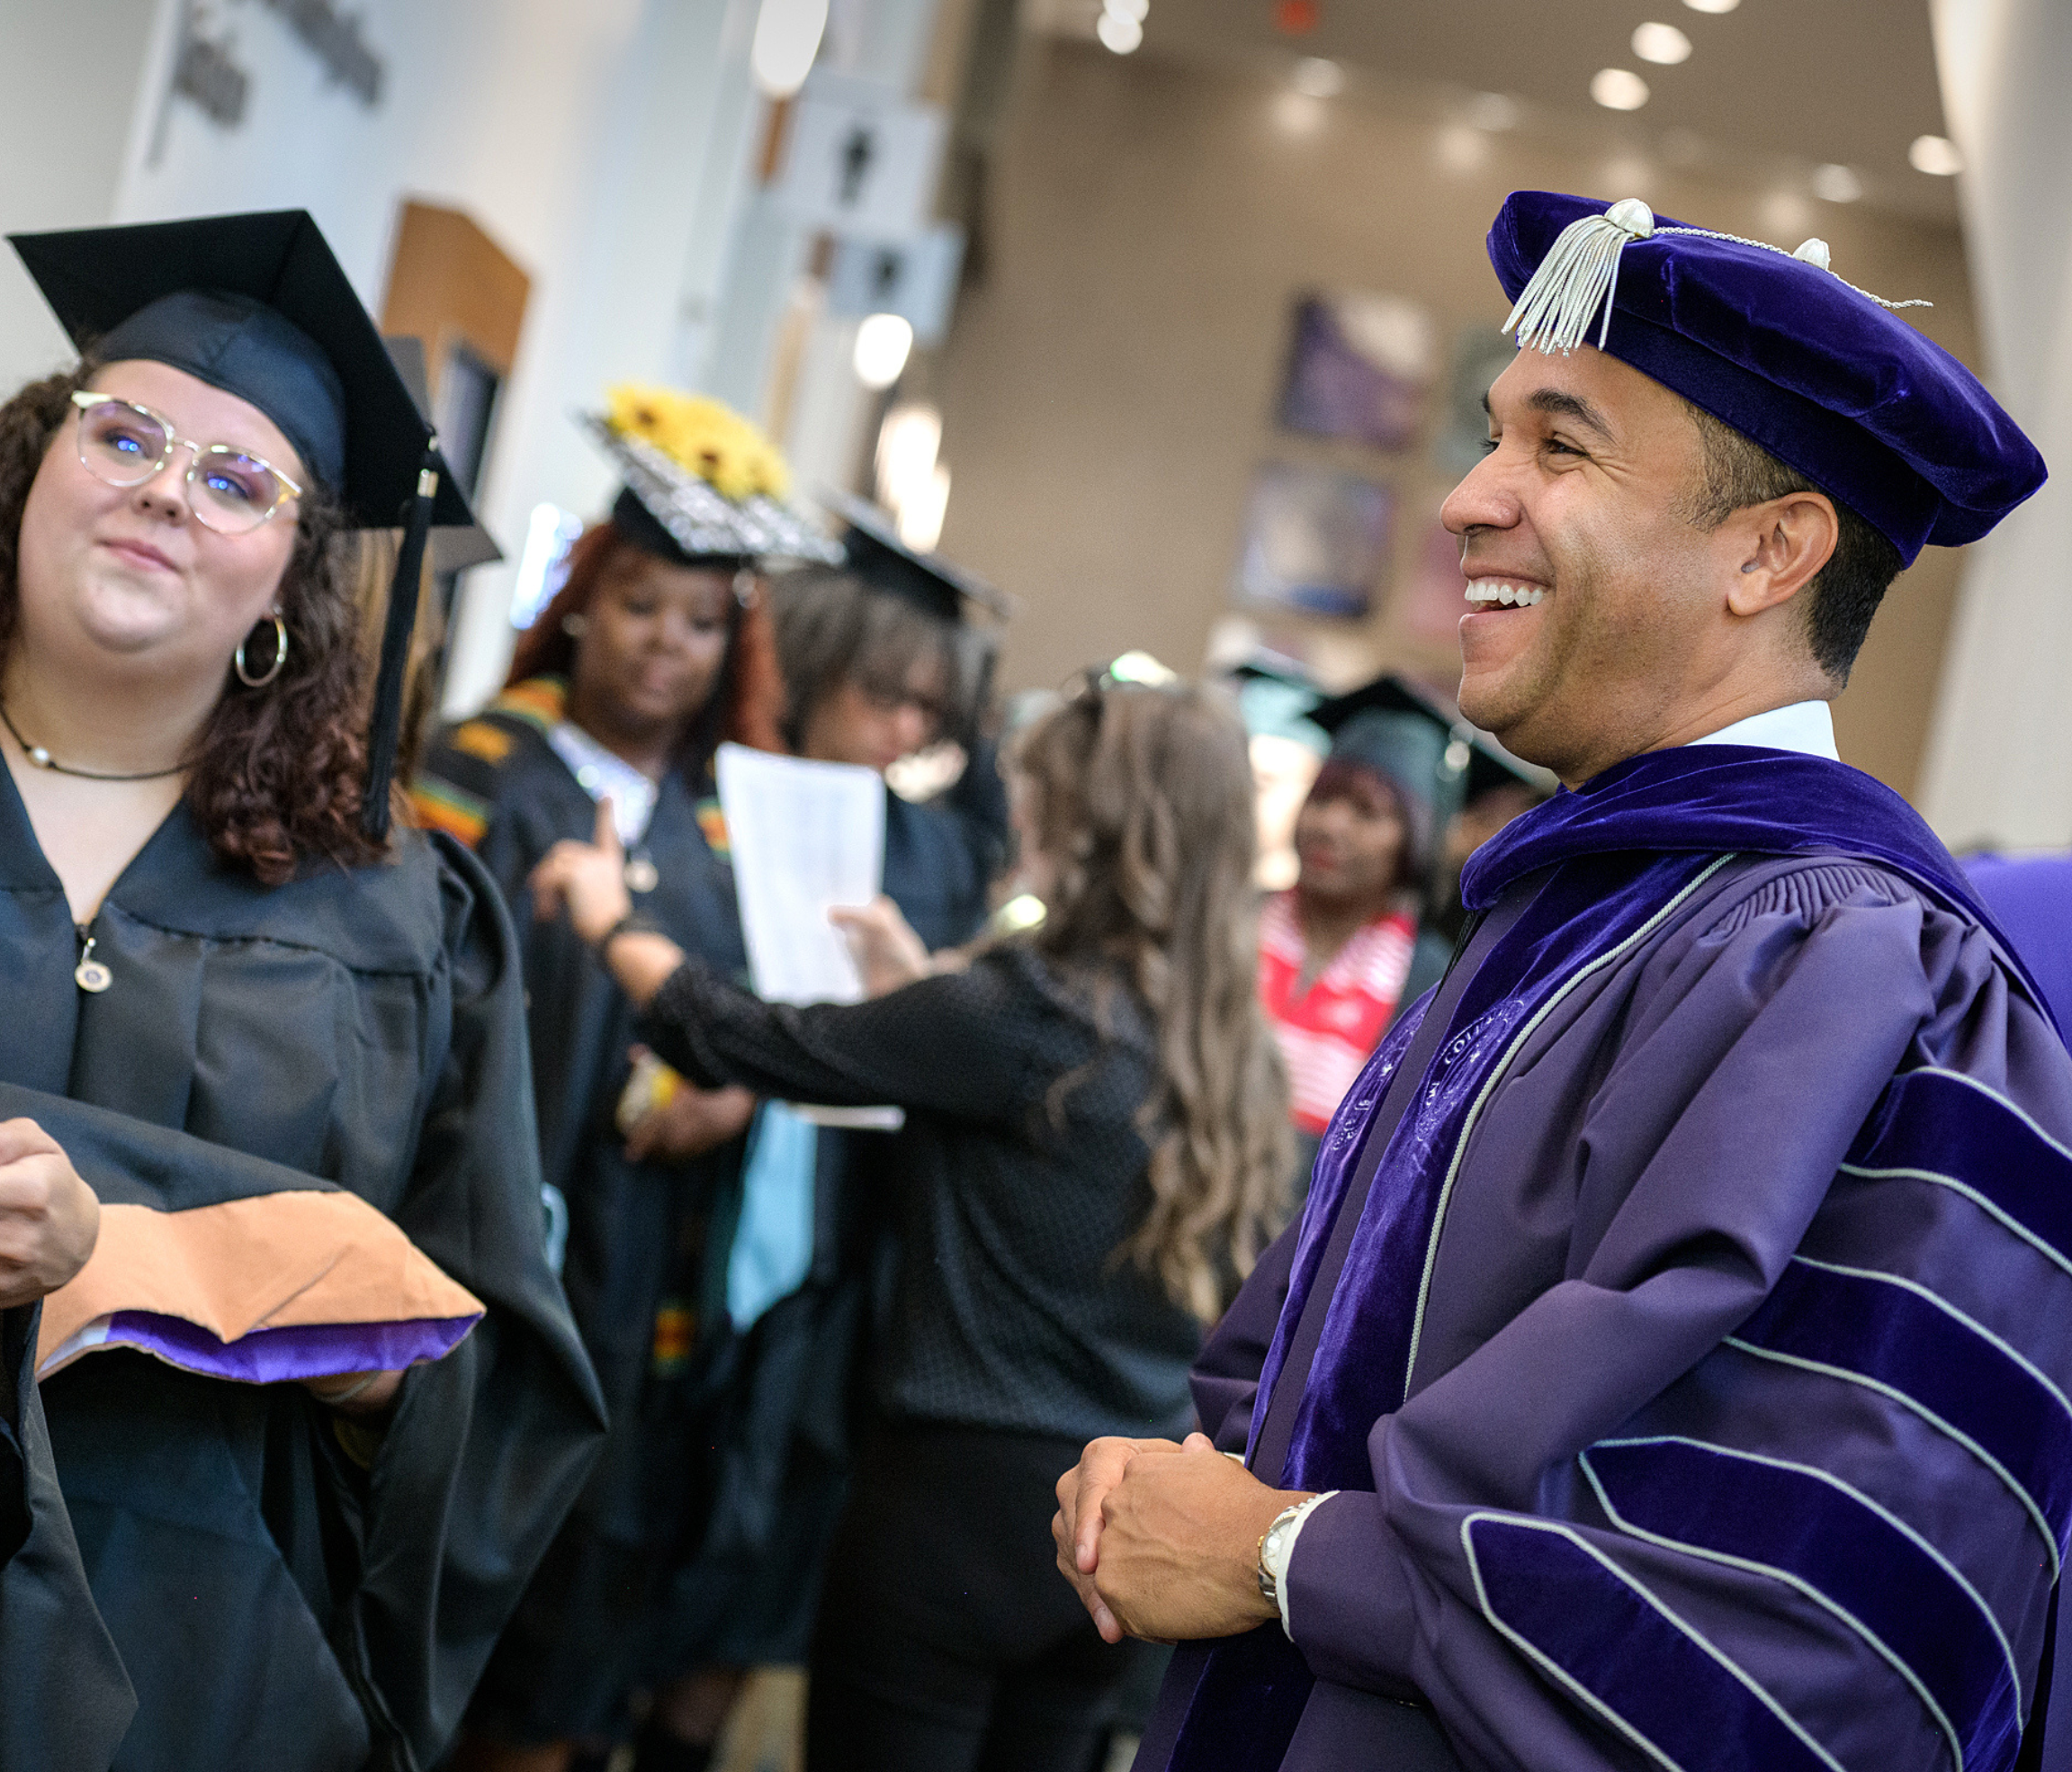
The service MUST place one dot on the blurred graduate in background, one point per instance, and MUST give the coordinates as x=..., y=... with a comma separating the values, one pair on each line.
x=881, y=669
x=1095, y=1142
x=1352, y=942
x=881, y=666
x=656, y=648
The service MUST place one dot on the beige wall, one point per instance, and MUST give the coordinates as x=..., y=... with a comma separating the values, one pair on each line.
x=1109, y=387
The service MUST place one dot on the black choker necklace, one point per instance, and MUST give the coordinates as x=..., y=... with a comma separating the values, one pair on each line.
x=43, y=760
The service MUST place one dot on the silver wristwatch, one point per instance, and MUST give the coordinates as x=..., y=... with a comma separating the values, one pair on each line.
x=1270, y=1555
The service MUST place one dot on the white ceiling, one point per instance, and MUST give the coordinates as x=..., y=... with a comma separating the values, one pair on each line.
x=1776, y=85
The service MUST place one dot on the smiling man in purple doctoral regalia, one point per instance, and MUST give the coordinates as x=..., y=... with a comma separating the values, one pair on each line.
x=1671, y=1364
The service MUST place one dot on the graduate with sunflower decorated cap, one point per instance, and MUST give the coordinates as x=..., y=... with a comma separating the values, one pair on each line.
x=656, y=649
x=1671, y=1367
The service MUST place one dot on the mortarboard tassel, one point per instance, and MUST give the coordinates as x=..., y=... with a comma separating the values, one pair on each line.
x=384, y=730
x=1579, y=274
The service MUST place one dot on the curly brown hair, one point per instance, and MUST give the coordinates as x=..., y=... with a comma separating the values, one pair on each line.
x=746, y=707
x=276, y=774
x=1143, y=797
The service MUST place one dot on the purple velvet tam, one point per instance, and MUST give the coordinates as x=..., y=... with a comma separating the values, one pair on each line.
x=1820, y=374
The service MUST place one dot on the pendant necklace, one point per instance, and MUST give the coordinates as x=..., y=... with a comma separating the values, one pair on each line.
x=43, y=760
x=90, y=975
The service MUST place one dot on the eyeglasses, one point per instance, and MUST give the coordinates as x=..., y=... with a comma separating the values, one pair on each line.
x=122, y=444
x=890, y=696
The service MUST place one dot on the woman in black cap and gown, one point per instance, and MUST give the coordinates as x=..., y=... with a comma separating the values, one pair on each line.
x=656, y=648
x=879, y=663
x=1351, y=943
x=315, y=1405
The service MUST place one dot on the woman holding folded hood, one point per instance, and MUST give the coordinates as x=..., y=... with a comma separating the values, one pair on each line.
x=315, y=1405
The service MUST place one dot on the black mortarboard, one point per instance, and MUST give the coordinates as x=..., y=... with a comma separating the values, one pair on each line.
x=877, y=556
x=1422, y=743
x=258, y=306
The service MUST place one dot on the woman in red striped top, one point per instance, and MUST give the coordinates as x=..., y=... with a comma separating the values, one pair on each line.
x=1343, y=949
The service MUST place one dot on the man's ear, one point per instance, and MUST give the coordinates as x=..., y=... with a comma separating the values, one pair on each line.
x=1785, y=542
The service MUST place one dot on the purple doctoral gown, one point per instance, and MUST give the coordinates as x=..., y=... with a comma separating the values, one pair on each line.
x=1683, y=1308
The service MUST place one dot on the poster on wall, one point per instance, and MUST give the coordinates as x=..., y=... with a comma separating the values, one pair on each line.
x=1480, y=355
x=1315, y=540
x=1360, y=367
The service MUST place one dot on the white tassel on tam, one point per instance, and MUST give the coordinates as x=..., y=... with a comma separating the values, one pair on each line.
x=1579, y=275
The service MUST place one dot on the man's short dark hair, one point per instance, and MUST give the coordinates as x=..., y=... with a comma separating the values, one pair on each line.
x=1845, y=593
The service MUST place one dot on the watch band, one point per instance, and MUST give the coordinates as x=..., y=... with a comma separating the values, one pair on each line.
x=1270, y=1559
x=1276, y=1547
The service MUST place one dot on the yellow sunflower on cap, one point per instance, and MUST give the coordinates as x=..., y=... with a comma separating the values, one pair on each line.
x=702, y=436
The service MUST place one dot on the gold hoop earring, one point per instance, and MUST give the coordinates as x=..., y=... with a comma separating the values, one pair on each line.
x=272, y=670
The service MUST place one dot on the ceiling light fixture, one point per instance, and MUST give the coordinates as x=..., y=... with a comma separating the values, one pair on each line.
x=1662, y=44
x=1936, y=155
x=788, y=38
x=1713, y=6
x=1494, y=112
x=1837, y=184
x=1318, y=77
x=882, y=344
x=1619, y=89
x=1118, y=32
x=1784, y=213
x=1461, y=148
x=1299, y=113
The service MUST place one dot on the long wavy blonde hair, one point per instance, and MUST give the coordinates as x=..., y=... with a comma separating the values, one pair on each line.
x=1142, y=800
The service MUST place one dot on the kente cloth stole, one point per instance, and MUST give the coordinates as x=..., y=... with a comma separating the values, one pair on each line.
x=1624, y=853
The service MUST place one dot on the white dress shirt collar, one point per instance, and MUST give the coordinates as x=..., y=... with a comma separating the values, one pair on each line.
x=1805, y=726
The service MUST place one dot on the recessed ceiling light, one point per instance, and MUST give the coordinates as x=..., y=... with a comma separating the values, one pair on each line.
x=1663, y=43
x=1712, y=6
x=1461, y=148
x=1619, y=89
x=1297, y=113
x=1138, y=9
x=1119, y=33
x=1493, y=112
x=1317, y=76
x=1784, y=214
x=1837, y=184
x=1935, y=155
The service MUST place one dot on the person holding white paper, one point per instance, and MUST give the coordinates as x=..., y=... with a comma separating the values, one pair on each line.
x=655, y=650
x=1096, y=1142
x=882, y=663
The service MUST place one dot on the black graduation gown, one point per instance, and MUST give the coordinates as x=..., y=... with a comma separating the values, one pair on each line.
x=941, y=856
x=275, y=1603
x=752, y=1595
x=643, y=1238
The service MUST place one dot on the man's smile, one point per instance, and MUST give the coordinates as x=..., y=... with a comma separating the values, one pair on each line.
x=1505, y=593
